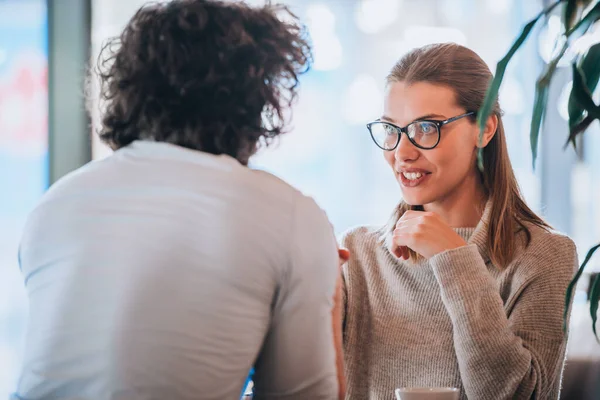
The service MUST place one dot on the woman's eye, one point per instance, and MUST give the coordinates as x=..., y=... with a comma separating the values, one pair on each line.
x=425, y=127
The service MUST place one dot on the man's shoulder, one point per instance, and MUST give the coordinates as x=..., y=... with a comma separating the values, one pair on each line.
x=302, y=205
x=275, y=183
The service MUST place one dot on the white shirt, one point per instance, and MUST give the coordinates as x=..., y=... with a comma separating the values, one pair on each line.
x=166, y=273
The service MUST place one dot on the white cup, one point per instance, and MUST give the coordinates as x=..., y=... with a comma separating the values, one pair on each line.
x=434, y=393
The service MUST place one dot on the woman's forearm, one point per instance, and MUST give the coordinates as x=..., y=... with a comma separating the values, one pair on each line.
x=504, y=356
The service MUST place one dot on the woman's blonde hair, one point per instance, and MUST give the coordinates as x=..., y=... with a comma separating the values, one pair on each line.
x=462, y=70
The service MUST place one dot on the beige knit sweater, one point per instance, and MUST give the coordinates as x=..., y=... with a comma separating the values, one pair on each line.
x=455, y=319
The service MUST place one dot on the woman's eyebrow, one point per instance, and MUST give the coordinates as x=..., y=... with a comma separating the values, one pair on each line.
x=422, y=117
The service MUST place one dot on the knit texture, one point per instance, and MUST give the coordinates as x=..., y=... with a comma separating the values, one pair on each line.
x=456, y=319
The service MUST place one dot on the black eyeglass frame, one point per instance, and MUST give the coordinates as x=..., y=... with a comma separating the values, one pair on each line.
x=400, y=130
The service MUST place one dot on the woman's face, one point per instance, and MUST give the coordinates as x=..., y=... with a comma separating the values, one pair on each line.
x=430, y=176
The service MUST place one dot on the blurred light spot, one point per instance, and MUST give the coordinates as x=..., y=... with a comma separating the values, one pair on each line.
x=363, y=100
x=549, y=36
x=328, y=54
x=457, y=12
x=320, y=18
x=499, y=6
x=551, y=41
x=581, y=189
x=512, y=97
x=417, y=36
x=3, y=56
x=312, y=132
x=373, y=16
x=327, y=48
x=563, y=101
x=583, y=44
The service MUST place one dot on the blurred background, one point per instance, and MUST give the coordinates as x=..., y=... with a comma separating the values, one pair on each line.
x=46, y=47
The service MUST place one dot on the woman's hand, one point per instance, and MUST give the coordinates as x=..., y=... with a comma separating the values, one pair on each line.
x=425, y=233
x=343, y=257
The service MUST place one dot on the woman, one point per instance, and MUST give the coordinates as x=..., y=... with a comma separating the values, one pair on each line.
x=465, y=286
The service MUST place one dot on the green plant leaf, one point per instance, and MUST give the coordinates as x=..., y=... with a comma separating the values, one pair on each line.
x=492, y=92
x=590, y=67
x=570, y=13
x=541, y=99
x=594, y=298
x=480, y=159
x=573, y=283
x=575, y=112
x=582, y=95
x=580, y=100
x=577, y=129
x=584, y=23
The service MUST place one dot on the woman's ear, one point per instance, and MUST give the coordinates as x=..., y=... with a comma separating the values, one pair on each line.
x=488, y=133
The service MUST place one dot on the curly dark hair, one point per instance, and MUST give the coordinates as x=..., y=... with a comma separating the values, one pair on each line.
x=203, y=74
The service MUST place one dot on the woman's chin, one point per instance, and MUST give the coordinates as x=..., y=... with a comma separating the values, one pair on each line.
x=411, y=201
x=414, y=199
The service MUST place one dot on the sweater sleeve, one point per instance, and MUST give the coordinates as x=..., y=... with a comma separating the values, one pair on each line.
x=519, y=355
x=344, y=301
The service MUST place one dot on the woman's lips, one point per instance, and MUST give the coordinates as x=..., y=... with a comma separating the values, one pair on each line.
x=413, y=177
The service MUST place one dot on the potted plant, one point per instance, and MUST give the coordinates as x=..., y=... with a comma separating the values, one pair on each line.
x=578, y=16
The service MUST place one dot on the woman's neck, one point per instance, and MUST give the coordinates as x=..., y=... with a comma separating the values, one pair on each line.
x=463, y=207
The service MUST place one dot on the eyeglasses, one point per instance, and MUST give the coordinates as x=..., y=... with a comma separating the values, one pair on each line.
x=424, y=134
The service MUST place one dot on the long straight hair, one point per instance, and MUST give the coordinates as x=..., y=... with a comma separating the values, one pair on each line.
x=463, y=71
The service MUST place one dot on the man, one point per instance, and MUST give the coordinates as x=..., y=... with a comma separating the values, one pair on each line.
x=170, y=269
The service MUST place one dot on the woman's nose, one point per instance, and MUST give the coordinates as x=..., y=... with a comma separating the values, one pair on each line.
x=406, y=151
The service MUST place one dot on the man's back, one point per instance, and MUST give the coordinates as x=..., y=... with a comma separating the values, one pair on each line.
x=162, y=272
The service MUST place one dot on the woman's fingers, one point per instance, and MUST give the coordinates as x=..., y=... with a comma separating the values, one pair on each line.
x=344, y=254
